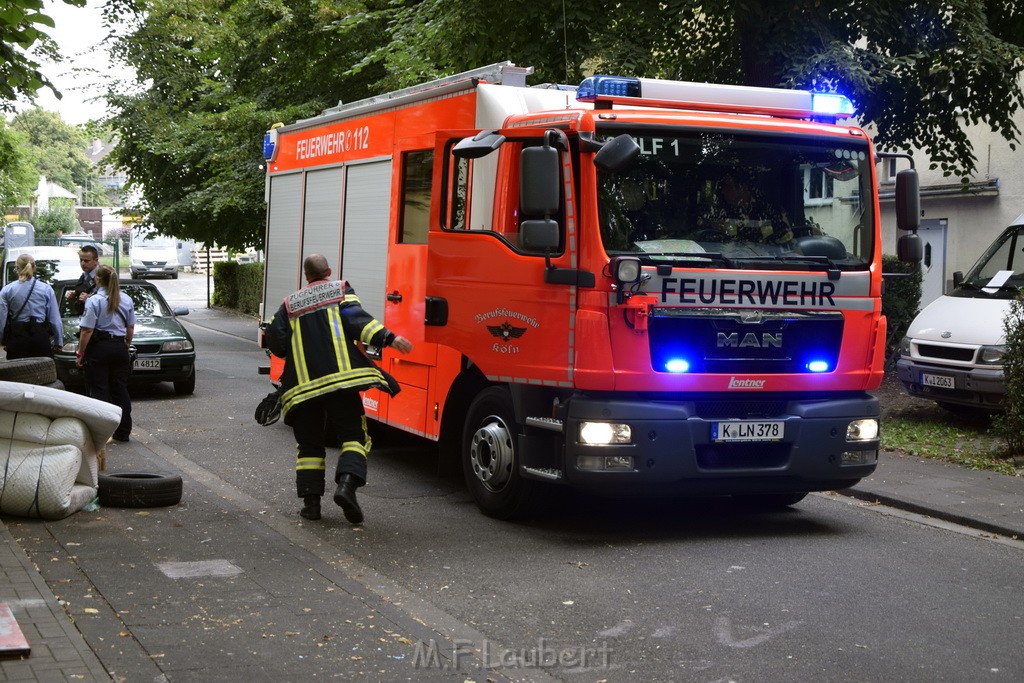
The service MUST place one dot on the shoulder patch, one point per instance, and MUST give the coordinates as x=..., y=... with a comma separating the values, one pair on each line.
x=314, y=296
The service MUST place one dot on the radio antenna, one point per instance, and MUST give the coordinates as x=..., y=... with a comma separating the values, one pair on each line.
x=565, y=42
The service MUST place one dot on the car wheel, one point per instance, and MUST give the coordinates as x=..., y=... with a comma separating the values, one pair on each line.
x=186, y=386
x=139, y=490
x=40, y=371
x=490, y=458
x=174, y=276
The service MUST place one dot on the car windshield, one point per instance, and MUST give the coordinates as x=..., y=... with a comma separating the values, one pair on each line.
x=714, y=198
x=999, y=273
x=147, y=301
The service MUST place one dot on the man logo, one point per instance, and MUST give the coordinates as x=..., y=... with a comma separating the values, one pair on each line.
x=505, y=331
x=750, y=340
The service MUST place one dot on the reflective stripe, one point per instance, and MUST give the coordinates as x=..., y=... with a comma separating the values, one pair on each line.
x=349, y=379
x=371, y=329
x=301, y=371
x=310, y=464
x=356, y=447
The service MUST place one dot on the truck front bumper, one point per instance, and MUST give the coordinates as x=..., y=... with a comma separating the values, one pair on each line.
x=674, y=444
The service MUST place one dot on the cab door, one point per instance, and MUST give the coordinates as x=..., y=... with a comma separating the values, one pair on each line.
x=492, y=295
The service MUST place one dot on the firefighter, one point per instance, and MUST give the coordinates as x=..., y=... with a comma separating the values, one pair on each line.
x=317, y=330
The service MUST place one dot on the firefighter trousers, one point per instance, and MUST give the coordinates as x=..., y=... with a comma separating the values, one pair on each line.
x=341, y=412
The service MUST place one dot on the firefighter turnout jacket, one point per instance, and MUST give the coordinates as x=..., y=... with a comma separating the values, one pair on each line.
x=317, y=331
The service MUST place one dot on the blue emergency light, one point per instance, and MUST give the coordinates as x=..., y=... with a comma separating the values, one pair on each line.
x=677, y=365
x=831, y=103
x=714, y=96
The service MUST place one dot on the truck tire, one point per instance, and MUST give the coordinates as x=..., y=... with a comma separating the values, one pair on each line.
x=490, y=458
x=139, y=490
x=39, y=371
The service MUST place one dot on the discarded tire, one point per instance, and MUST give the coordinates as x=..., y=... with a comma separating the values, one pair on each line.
x=139, y=490
x=40, y=371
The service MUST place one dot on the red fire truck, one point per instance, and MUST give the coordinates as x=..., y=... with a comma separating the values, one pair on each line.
x=632, y=285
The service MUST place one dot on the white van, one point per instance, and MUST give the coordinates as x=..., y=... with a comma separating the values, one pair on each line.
x=52, y=263
x=152, y=254
x=953, y=351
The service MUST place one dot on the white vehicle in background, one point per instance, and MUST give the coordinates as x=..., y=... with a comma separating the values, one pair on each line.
x=954, y=348
x=151, y=254
x=52, y=263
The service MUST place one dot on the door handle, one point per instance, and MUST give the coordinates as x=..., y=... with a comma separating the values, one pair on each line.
x=395, y=296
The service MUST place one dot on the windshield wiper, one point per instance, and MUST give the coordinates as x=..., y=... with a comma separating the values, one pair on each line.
x=977, y=287
x=712, y=256
x=823, y=263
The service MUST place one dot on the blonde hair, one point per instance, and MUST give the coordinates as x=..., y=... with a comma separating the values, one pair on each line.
x=107, y=278
x=26, y=267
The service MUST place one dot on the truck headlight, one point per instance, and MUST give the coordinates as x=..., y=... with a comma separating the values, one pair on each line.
x=992, y=355
x=862, y=430
x=604, y=434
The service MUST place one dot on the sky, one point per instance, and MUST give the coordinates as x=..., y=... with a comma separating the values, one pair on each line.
x=77, y=30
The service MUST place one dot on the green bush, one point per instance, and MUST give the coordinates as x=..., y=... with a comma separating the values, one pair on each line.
x=225, y=290
x=1011, y=423
x=238, y=286
x=901, y=295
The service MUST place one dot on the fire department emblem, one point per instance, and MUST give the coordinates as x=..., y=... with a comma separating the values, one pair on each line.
x=506, y=331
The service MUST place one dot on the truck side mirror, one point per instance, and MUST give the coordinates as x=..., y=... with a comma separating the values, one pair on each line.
x=539, y=235
x=539, y=181
x=908, y=200
x=958, y=278
x=910, y=248
x=617, y=154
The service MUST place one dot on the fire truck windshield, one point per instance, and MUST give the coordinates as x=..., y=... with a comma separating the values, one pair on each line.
x=747, y=198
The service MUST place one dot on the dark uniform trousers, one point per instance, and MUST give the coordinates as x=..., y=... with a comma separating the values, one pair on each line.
x=343, y=411
x=107, y=369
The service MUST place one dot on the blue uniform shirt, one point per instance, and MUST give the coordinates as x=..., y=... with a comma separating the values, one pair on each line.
x=96, y=316
x=41, y=306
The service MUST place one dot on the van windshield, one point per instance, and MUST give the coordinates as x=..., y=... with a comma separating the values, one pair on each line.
x=157, y=242
x=999, y=273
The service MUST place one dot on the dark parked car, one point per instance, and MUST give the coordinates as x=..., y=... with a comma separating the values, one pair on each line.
x=166, y=352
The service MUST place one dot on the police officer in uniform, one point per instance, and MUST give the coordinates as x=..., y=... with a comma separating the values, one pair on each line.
x=317, y=331
x=107, y=327
x=28, y=307
x=89, y=259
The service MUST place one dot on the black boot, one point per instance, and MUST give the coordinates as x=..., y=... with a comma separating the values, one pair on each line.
x=345, y=496
x=311, y=509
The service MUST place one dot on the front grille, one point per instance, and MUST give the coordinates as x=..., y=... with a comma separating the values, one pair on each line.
x=742, y=456
x=740, y=409
x=148, y=348
x=945, y=352
x=748, y=342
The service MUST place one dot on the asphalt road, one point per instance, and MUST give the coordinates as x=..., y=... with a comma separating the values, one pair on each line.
x=641, y=590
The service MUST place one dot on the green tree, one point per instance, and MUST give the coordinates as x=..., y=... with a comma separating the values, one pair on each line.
x=219, y=72
x=18, y=178
x=59, y=148
x=59, y=217
x=23, y=41
x=918, y=70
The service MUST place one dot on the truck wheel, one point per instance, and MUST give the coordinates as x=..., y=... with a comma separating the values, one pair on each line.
x=490, y=458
